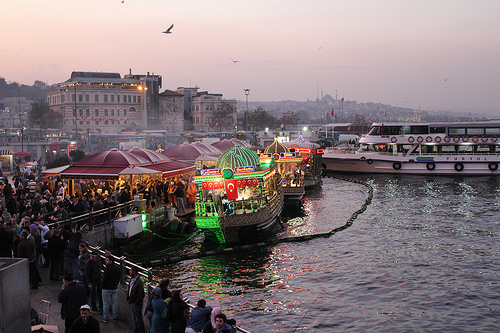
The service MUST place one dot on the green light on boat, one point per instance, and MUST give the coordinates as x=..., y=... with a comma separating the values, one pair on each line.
x=227, y=173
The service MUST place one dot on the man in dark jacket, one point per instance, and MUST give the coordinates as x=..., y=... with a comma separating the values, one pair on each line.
x=86, y=323
x=135, y=297
x=94, y=278
x=110, y=281
x=199, y=316
x=26, y=249
x=72, y=297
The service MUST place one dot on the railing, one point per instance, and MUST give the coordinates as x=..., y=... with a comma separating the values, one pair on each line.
x=93, y=218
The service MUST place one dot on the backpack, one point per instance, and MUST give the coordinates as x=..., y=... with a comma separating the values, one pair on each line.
x=166, y=314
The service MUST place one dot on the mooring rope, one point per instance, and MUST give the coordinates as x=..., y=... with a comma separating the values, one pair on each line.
x=270, y=242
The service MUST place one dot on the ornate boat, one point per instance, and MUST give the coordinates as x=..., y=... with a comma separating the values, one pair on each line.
x=240, y=200
x=441, y=148
x=291, y=168
x=312, y=156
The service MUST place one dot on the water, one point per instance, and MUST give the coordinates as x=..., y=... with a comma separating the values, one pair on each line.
x=422, y=257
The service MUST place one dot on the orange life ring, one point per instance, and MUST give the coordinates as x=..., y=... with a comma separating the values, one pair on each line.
x=420, y=139
x=447, y=139
x=437, y=139
x=428, y=139
x=456, y=138
x=394, y=139
x=484, y=138
x=411, y=139
x=465, y=138
x=475, y=139
x=493, y=138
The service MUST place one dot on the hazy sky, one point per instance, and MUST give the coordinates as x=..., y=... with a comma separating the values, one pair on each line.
x=422, y=53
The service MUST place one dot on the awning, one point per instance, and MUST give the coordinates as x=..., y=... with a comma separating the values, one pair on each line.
x=137, y=171
x=91, y=172
x=172, y=168
x=6, y=152
x=55, y=171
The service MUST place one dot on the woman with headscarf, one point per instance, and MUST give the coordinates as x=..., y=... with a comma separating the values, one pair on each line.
x=211, y=326
x=158, y=324
x=178, y=312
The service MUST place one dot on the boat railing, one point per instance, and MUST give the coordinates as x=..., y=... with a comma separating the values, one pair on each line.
x=244, y=206
x=335, y=150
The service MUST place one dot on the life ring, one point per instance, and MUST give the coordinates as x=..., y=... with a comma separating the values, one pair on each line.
x=475, y=139
x=369, y=161
x=447, y=139
x=411, y=139
x=396, y=165
x=459, y=167
x=363, y=158
x=394, y=139
x=493, y=166
x=420, y=139
x=437, y=139
x=428, y=139
x=431, y=166
x=465, y=138
x=456, y=138
x=493, y=138
x=484, y=138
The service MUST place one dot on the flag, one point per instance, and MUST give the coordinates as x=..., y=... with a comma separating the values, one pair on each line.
x=231, y=189
x=332, y=112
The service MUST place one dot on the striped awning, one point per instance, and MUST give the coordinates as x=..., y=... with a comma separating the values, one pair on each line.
x=6, y=152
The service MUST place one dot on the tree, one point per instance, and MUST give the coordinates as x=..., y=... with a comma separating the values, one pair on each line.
x=260, y=119
x=223, y=117
x=41, y=114
x=77, y=155
x=289, y=119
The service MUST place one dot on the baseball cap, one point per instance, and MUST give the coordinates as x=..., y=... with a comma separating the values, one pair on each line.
x=85, y=307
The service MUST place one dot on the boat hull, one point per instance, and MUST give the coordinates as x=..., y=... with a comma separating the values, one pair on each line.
x=423, y=165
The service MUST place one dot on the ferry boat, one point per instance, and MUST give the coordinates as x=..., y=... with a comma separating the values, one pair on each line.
x=240, y=200
x=312, y=155
x=442, y=148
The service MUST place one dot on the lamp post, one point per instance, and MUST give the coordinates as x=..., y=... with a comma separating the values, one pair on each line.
x=76, y=118
x=342, y=100
x=247, y=92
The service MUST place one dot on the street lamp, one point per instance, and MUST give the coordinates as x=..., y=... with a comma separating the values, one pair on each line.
x=342, y=100
x=247, y=92
x=76, y=118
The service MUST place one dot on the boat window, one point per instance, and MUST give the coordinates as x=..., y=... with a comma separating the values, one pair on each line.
x=384, y=131
x=456, y=131
x=374, y=131
x=475, y=131
x=493, y=131
x=418, y=130
x=437, y=130
x=405, y=129
x=395, y=130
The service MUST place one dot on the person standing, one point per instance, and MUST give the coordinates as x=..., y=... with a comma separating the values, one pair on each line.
x=191, y=193
x=5, y=242
x=86, y=323
x=94, y=279
x=72, y=296
x=26, y=249
x=158, y=323
x=178, y=312
x=179, y=197
x=200, y=315
x=110, y=281
x=56, y=248
x=135, y=298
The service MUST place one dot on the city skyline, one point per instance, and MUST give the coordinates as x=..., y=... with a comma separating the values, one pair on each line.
x=433, y=55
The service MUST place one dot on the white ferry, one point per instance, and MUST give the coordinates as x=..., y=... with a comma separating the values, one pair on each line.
x=442, y=148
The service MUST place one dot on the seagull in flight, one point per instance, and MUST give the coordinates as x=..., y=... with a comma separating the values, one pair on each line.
x=234, y=61
x=168, y=30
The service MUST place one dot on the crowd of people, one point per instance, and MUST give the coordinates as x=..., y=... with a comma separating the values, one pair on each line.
x=168, y=312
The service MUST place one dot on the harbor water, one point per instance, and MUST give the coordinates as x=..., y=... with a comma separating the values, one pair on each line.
x=422, y=257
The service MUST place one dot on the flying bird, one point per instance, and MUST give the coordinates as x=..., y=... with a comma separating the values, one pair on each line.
x=446, y=79
x=168, y=30
x=234, y=61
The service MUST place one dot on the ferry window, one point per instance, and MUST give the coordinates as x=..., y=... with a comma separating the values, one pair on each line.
x=405, y=129
x=374, y=131
x=395, y=130
x=456, y=131
x=384, y=131
x=475, y=131
x=418, y=130
x=437, y=130
x=494, y=130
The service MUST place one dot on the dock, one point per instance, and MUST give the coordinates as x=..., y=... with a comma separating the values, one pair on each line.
x=49, y=290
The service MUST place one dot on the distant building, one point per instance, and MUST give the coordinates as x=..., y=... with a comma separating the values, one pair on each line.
x=15, y=112
x=106, y=102
x=171, y=116
x=202, y=105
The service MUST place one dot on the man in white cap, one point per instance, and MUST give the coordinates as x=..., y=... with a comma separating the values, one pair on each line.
x=86, y=323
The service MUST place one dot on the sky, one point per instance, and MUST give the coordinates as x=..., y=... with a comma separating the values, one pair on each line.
x=428, y=54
